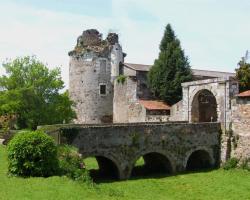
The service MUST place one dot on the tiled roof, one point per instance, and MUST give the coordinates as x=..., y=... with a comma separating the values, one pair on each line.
x=154, y=105
x=244, y=94
x=196, y=72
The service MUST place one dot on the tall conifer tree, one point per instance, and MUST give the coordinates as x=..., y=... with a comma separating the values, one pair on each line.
x=170, y=69
x=243, y=75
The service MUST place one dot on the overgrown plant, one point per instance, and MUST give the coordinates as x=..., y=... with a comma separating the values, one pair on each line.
x=71, y=164
x=245, y=164
x=231, y=163
x=121, y=79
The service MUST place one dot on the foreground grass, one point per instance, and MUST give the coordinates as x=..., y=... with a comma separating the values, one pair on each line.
x=217, y=185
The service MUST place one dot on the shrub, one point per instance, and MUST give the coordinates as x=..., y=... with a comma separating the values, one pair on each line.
x=230, y=164
x=69, y=160
x=71, y=164
x=32, y=153
x=245, y=164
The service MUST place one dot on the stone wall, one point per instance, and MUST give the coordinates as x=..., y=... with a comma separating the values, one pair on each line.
x=223, y=89
x=157, y=118
x=124, y=144
x=176, y=112
x=143, y=91
x=241, y=128
x=125, y=103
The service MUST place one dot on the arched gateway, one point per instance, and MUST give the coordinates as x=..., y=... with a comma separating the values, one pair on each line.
x=208, y=100
x=204, y=107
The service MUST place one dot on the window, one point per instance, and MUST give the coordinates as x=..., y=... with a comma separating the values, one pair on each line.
x=121, y=69
x=102, y=89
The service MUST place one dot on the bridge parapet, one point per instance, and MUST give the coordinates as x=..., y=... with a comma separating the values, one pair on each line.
x=182, y=145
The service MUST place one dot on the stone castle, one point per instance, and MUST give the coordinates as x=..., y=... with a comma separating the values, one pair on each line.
x=107, y=90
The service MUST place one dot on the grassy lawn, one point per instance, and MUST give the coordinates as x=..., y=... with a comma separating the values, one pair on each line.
x=217, y=184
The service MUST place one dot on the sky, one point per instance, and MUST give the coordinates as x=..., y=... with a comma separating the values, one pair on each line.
x=214, y=34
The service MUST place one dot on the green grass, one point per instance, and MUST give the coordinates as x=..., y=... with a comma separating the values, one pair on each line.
x=217, y=185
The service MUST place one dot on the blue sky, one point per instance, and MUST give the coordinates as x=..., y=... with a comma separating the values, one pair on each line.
x=214, y=34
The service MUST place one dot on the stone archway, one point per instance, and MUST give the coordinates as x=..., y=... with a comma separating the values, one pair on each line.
x=204, y=107
x=153, y=163
x=198, y=160
x=102, y=167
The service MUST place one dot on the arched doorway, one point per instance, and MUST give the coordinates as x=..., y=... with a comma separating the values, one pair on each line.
x=152, y=164
x=101, y=168
x=204, y=107
x=199, y=160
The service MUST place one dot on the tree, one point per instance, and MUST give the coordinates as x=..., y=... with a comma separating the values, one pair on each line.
x=30, y=91
x=243, y=75
x=170, y=69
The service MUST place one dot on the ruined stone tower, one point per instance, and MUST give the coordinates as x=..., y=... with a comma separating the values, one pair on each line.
x=94, y=64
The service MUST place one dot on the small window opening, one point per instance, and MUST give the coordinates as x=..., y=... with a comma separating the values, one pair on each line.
x=103, y=89
x=121, y=69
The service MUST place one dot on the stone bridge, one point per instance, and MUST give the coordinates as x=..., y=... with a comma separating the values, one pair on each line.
x=168, y=147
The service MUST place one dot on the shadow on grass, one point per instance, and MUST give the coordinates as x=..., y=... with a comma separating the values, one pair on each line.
x=102, y=177
x=141, y=173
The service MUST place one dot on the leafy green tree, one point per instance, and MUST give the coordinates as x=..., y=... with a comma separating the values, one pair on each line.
x=243, y=75
x=30, y=91
x=170, y=69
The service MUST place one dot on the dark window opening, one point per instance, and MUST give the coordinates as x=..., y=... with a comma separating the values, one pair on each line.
x=102, y=89
x=121, y=69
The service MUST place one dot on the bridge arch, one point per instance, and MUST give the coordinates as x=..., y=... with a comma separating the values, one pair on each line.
x=204, y=106
x=154, y=162
x=108, y=165
x=199, y=158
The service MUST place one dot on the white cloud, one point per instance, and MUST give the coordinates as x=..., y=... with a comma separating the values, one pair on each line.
x=49, y=35
x=214, y=34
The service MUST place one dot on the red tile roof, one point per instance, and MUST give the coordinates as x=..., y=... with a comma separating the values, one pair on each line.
x=244, y=94
x=154, y=105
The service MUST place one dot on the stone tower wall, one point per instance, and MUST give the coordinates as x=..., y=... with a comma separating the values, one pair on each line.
x=86, y=75
x=91, y=64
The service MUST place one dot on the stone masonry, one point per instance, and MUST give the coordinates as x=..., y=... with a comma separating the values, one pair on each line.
x=241, y=129
x=223, y=90
x=117, y=147
x=94, y=63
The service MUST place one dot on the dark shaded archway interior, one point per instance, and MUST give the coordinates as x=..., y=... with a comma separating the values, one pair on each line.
x=102, y=168
x=204, y=107
x=199, y=160
x=152, y=164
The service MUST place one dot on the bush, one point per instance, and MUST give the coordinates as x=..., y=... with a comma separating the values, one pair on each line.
x=32, y=153
x=71, y=164
x=245, y=164
x=69, y=160
x=230, y=164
